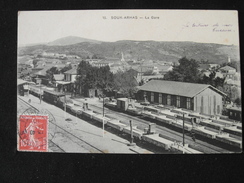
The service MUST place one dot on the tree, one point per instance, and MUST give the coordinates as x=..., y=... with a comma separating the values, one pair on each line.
x=186, y=71
x=217, y=82
x=141, y=82
x=50, y=72
x=35, y=61
x=125, y=83
x=105, y=79
x=82, y=70
x=238, y=101
x=66, y=68
x=204, y=61
x=94, y=78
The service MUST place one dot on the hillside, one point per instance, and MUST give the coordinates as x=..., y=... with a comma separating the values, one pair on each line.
x=148, y=50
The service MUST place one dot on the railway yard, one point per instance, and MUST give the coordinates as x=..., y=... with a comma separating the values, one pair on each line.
x=156, y=129
x=75, y=134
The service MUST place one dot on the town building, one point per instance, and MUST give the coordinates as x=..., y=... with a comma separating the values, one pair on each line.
x=66, y=82
x=227, y=70
x=70, y=75
x=201, y=98
x=214, y=66
x=163, y=69
x=21, y=87
x=145, y=79
x=208, y=67
x=101, y=64
x=217, y=74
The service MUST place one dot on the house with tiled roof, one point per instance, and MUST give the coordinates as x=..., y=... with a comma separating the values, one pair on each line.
x=201, y=98
x=66, y=81
x=70, y=75
x=227, y=69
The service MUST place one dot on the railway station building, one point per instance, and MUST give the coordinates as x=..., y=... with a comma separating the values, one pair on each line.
x=22, y=86
x=201, y=98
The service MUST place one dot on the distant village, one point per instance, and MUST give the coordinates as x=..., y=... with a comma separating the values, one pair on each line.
x=30, y=67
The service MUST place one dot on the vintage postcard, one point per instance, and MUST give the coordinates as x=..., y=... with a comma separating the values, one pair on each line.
x=129, y=81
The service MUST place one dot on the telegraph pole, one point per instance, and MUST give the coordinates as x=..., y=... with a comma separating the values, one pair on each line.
x=40, y=93
x=65, y=105
x=103, y=115
x=131, y=135
x=103, y=105
x=183, y=130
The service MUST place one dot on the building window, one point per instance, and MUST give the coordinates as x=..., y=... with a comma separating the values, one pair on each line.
x=188, y=103
x=218, y=109
x=178, y=101
x=152, y=97
x=145, y=95
x=168, y=99
x=160, y=100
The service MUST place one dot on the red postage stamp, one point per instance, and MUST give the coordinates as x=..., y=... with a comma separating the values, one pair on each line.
x=33, y=133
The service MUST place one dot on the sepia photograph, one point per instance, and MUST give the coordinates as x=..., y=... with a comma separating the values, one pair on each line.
x=129, y=82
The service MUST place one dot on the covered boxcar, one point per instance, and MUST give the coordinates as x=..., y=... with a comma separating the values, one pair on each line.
x=234, y=113
x=54, y=97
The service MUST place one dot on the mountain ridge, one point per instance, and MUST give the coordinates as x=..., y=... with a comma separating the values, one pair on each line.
x=148, y=50
x=69, y=40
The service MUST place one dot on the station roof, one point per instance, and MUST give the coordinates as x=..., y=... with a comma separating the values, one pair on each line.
x=176, y=88
x=54, y=92
x=71, y=71
x=21, y=81
x=234, y=108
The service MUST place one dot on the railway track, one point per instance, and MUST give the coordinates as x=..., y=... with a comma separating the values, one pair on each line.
x=142, y=123
x=53, y=146
x=171, y=134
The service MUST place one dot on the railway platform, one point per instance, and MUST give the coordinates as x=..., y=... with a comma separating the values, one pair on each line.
x=76, y=132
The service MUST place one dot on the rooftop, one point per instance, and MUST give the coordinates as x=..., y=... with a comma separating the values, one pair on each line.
x=71, y=71
x=235, y=108
x=43, y=72
x=227, y=68
x=176, y=88
x=58, y=77
x=21, y=81
x=204, y=66
x=138, y=78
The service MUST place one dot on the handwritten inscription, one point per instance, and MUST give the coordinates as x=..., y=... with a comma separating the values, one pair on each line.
x=131, y=17
x=214, y=27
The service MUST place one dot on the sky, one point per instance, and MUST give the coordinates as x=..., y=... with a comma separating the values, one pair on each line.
x=205, y=26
